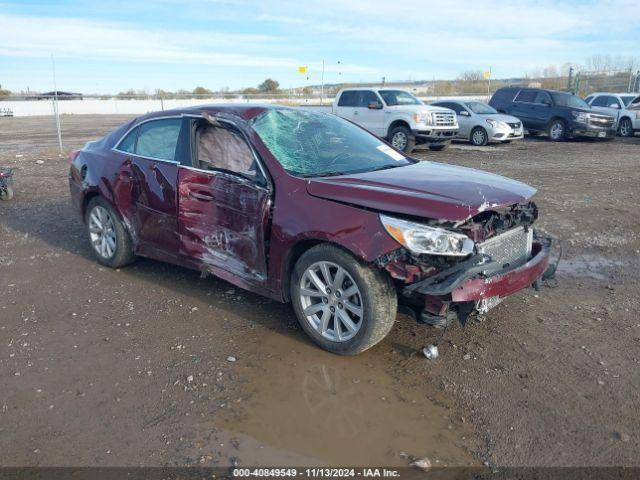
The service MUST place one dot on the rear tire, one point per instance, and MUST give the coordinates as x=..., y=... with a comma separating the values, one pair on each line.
x=402, y=139
x=108, y=238
x=625, y=129
x=438, y=148
x=557, y=130
x=365, y=295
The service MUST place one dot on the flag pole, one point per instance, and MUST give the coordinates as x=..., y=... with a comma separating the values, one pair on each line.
x=55, y=102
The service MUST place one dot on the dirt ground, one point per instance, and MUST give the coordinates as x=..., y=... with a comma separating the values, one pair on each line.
x=152, y=365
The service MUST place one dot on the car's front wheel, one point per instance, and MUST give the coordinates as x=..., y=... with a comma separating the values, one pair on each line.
x=344, y=306
x=625, y=129
x=557, y=130
x=402, y=139
x=479, y=137
x=109, y=240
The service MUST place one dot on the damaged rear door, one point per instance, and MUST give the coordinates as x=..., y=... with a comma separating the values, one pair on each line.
x=224, y=204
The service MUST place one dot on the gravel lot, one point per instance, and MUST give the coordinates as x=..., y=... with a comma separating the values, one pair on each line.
x=152, y=365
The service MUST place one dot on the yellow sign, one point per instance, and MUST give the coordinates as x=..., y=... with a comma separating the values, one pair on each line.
x=487, y=74
x=302, y=69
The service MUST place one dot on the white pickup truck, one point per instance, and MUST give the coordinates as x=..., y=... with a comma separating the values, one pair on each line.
x=397, y=116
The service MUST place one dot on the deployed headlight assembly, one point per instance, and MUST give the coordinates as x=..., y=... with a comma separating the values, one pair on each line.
x=420, y=238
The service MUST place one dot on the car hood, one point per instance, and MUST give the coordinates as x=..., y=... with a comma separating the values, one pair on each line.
x=419, y=108
x=425, y=189
x=500, y=117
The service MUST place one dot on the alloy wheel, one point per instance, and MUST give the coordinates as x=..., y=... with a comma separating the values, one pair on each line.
x=399, y=140
x=625, y=128
x=556, y=131
x=331, y=301
x=102, y=232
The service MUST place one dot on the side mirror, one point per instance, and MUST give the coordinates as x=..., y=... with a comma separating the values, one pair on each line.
x=614, y=105
x=546, y=103
x=374, y=106
x=464, y=113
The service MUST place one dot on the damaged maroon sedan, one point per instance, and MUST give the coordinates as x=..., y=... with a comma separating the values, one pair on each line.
x=309, y=208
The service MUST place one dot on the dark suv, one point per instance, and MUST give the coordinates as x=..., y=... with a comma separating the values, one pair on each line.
x=559, y=114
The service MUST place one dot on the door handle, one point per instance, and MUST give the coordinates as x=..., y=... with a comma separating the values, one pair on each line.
x=355, y=112
x=202, y=196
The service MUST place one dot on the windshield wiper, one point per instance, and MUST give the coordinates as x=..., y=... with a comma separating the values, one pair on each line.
x=385, y=167
x=324, y=174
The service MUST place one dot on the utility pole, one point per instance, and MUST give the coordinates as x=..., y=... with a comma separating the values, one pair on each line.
x=322, y=84
x=55, y=103
x=570, y=79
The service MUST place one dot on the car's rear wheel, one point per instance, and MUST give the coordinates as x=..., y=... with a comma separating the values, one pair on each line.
x=479, y=137
x=344, y=306
x=402, y=139
x=625, y=129
x=557, y=130
x=109, y=240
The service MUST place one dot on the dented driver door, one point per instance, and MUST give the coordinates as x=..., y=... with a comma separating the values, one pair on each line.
x=223, y=219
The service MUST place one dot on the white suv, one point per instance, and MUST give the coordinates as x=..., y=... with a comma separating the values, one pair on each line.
x=397, y=116
x=617, y=105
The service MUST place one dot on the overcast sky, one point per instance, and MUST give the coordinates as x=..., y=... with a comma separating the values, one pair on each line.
x=109, y=46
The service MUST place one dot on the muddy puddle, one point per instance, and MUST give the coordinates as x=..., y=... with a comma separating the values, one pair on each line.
x=593, y=266
x=303, y=406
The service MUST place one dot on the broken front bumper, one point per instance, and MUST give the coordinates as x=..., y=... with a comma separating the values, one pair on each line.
x=478, y=279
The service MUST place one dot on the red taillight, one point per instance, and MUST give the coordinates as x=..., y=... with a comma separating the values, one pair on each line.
x=73, y=155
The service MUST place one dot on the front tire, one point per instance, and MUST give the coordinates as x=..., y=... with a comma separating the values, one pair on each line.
x=402, y=139
x=479, y=137
x=109, y=240
x=625, y=129
x=346, y=307
x=557, y=130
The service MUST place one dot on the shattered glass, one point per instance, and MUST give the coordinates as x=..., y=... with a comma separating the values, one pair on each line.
x=307, y=143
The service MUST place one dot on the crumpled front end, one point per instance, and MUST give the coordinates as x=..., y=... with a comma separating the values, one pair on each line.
x=508, y=257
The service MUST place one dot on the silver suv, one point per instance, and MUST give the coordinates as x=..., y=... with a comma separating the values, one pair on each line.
x=618, y=106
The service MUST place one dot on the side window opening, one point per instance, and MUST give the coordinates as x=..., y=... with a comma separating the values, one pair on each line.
x=526, y=96
x=159, y=138
x=224, y=149
x=348, y=98
x=128, y=143
x=367, y=97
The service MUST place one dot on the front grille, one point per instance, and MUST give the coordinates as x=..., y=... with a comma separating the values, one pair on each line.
x=600, y=121
x=509, y=249
x=445, y=119
x=515, y=125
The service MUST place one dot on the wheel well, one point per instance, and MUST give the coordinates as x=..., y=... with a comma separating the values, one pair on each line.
x=625, y=118
x=294, y=254
x=397, y=123
x=556, y=118
x=85, y=202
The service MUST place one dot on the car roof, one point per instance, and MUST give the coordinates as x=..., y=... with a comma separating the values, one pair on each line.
x=624, y=94
x=245, y=111
x=376, y=89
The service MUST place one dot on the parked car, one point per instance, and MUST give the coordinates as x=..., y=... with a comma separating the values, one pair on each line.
x=559, y=114
x=311, y=209
x=617, y=105
x=480, y=123
x=397, y=116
